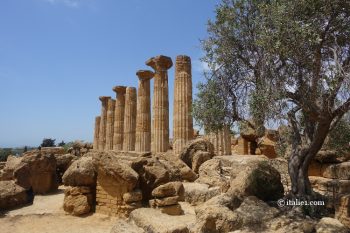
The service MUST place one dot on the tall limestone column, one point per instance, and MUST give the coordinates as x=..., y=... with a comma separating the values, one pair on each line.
x=227, y=140
x=160, y=117
x=103, y=123
x=119, y=111
x=96, y=132
x=130, y=119
x=143, y=118
x=110, y=124
x=182, y=120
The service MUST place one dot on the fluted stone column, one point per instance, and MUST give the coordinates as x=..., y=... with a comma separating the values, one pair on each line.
x=103, y=122
x=119, y=111
x=143, y=118
x=182, y=119
x=160, y=117
x=227, y=140
x=96, y=132
x=130, y=119
x=110, y=124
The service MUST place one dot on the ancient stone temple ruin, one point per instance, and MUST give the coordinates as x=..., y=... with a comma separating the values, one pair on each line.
x=130, y=123
x=135, y=161
x=125, y=124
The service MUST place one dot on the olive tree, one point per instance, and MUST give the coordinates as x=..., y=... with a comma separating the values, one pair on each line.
x=287, y=60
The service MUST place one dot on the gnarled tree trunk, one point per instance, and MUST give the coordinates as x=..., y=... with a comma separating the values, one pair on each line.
x=301, y=158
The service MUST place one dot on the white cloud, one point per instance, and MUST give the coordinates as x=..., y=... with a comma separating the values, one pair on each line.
x=68, y=3
x=200, y=66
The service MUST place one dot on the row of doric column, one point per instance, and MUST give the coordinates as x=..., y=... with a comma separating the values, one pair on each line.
x=125, y=124
x=221, y=141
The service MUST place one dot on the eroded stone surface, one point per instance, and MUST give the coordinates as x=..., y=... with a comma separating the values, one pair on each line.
x=182, y=119
x=143, y=118
x=130, y=119
x=160, y=103
x=13, y=195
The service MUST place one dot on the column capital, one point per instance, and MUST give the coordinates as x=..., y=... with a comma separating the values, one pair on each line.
x=160, y=62
x=104, y=98
x=119, y=89
x=183, y=59
x=183, y=63
x=145, y=75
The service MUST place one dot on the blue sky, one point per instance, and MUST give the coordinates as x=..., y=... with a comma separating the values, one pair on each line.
x=58, y=56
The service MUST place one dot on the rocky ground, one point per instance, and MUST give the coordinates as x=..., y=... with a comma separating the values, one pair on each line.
x=47, y=215
x=194, y=192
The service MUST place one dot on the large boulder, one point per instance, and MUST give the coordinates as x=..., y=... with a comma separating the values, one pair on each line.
x=178, y=170
x=196, y=193
x=330, y=225
x=226, y=213
x=212, y=173
x=217, y=215
x=175, y=188
x=260, y=180
x=37, y=171
x=13, y=195
x=167, y=197
x=80, y=173
x=108, y=165
x=197, y=152
x=78, y=200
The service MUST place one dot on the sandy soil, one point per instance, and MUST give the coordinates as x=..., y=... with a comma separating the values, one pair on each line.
x=47, y=216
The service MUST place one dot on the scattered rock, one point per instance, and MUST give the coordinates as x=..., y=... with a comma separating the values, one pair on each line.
x=196, y=193
x=173, y=210
x=13, y=195
x=216, y=215
x=80, y=173
x=78, y=200
x=134, y=196
x=175, y=188
x=211, y=173
x=260, y=180
x=166, y=201
x=197, y=152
